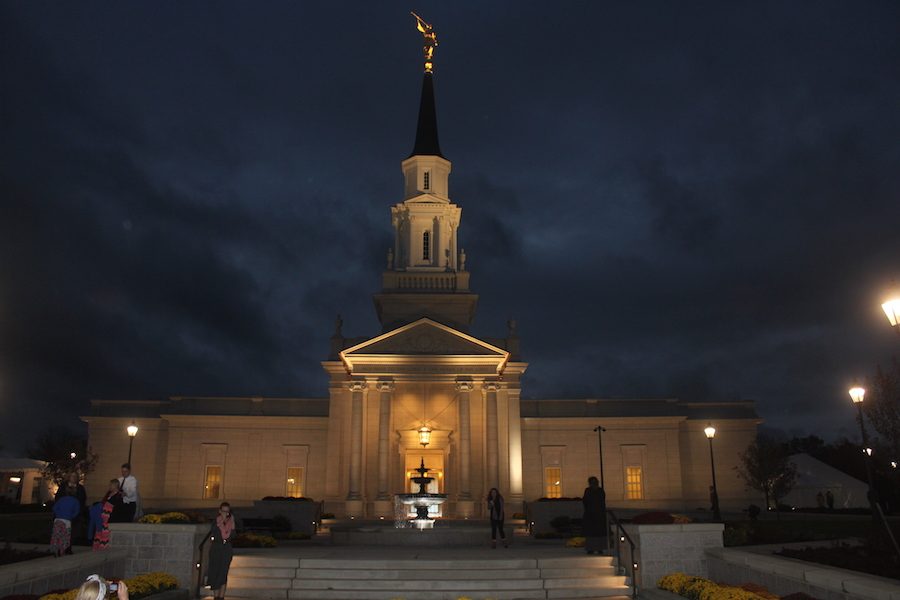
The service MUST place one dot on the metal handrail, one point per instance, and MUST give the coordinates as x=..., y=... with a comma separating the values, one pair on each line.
x=622, y=536
x=206, y=538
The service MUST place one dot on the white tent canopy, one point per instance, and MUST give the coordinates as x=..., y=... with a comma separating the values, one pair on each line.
x=814, y=476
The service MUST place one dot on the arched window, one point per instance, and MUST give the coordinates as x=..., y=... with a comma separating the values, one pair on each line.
x=426, y=245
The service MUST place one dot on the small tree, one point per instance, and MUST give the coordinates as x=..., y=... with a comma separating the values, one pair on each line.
x=56, y=446
x=882, y=406
x=765, y=466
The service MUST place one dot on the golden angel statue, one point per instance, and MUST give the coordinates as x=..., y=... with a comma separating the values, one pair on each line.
x=430, y=41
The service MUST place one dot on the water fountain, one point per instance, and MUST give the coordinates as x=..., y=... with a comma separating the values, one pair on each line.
x=421, y=500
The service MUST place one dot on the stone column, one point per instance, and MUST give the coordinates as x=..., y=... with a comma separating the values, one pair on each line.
x=465, y=506
x=27, y=488
x=515, y=496
x=383, y=504
x=354, y=494
x=493, y=457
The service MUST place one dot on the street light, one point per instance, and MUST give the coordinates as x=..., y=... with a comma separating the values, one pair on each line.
x=600, y=429
x=132, y=431
x=858, y=394
x=710, y=432
x=892, y=311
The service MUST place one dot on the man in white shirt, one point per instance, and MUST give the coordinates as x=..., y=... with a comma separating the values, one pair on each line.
x=129, y=485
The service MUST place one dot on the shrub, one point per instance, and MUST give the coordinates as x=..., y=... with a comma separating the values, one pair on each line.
x=698, y=588
x=518, y=515
x=253, y=540
x=575, y=542
x=169, y=517
x=753, y=511
x=738, y=535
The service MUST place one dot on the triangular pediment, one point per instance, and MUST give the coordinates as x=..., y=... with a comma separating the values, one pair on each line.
x=425, y=341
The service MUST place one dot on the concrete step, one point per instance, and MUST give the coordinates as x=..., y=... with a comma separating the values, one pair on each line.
x=581, y=594
x=424, y=564
x=554, y=573
x=604, y=581
x=572, y=562
x=261, y=572
x=426, y=574
x=243, y=560
x=407, y=588
x=420, y=595
x=256, y=593
x=272, y=583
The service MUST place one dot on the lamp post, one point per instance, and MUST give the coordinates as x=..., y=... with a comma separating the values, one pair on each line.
x=132, y=431
x=858, y=394
x=891, y=309
x=600, y=429
x=710, y=432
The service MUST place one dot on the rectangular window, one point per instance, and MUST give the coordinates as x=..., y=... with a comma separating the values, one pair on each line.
x=426, y=180
x=426, y=245
x=294, y=484
x=213, y=482
x=634, y=483
x=552, y=482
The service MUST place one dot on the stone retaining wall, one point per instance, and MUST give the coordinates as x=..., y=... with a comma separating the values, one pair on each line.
x=41, y=575
x=785, y=576
x=169, y=548
x=539, y=514
x=664, y=549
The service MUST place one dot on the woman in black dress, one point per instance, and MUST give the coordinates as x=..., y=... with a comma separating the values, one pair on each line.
x=593, y=523
x=220, y=552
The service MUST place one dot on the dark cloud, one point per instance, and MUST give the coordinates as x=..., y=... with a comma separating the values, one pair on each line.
x=698, y=201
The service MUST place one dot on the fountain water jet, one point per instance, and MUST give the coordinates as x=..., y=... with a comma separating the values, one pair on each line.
x=422, y=500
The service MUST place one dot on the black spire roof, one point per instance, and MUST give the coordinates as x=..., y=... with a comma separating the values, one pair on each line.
x=426, y=131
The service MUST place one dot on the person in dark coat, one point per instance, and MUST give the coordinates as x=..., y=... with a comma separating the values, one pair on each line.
x=497, y=514
x=593, y=522
x=220, y=552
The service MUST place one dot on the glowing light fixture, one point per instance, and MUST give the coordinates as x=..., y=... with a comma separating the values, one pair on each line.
x=891, y=309
x=710, y=432
x=424, y=435
x=857, y=394
x=72, y=455
x=15, y=479
x=132, y=429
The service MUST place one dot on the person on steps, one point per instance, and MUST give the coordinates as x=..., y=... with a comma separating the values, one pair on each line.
x=220, y=551
x=495, y=510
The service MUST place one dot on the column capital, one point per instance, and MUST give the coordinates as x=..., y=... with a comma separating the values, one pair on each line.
x=464, y=385
x=491, y=386
x=357, y=385
x=385, y=385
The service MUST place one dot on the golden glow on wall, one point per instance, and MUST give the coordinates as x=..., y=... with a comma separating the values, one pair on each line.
x=212, y=483
x=634, y=483
x=553, y=482
x=294, y=485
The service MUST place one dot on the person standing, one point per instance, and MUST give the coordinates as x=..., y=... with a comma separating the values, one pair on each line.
x=829, y=499
x=111, y=511
x=220, y=551
x=128, y=484
x=497, y=514
x=72, y=487
x=65, y=510
x=593, y=522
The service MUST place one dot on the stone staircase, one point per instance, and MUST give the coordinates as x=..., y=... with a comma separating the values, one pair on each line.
x=283, y=578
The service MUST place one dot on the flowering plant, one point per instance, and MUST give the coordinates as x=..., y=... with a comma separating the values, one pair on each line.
x=169, y=517
x=575, y=542
x=698, y=588
x=138, y=587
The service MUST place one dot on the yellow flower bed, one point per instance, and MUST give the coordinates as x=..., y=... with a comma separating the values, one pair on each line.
x=698, y=588
x=169, y=517
x=253, y=540
x=575, y=542
x=138, y=587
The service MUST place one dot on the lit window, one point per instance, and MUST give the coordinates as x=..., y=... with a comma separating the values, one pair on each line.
x=294, y=484
x=426, y=245
x=634, y=483
x=213, y=482
x=552, y=482
x=426, y=180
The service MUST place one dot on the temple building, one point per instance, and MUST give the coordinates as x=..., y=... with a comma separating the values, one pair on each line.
x=425, y=388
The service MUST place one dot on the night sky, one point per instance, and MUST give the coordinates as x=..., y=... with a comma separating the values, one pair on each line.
x=691, y=199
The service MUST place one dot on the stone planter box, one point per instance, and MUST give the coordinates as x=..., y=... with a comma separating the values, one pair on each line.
x=40, y=575
x=541, y=513
x=664, y=549
x=171, y=548
x=303, y=515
